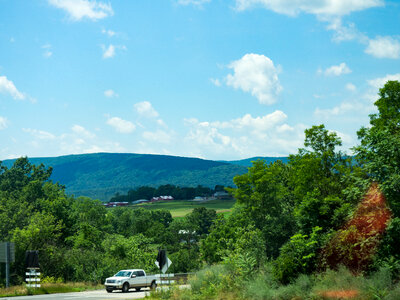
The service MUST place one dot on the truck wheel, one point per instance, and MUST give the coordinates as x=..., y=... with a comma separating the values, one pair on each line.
x=153, y=285
x=125, y=287
x=137, y=289
x=109, y=290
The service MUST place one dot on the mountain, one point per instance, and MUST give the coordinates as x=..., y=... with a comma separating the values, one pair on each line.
x=102, y=175
x=248, y=161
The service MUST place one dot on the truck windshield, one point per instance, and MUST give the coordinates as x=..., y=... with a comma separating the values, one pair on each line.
x=123, y=274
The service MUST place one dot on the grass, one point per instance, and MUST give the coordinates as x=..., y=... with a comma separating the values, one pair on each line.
x=180, y=208
x=217, y=283
x=49, y=288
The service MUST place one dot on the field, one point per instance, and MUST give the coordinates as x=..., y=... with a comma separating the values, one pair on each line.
x=180, y=208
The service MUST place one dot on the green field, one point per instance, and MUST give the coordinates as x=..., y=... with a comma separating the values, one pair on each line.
x=180, y=208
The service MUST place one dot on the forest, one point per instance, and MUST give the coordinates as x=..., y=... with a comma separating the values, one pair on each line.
x=294, y=223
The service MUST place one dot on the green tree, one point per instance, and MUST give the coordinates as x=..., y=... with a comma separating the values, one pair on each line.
x=265, y=195
x=379, y=152
x=317, y=180
x=202, y=218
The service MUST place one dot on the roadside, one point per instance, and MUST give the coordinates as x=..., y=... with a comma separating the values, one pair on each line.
x=93, y=295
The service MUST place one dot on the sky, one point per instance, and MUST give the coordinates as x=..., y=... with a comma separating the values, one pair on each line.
x=214, y=79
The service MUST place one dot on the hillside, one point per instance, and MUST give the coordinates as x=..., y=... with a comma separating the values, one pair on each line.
x=248, y=161
x=101, y=175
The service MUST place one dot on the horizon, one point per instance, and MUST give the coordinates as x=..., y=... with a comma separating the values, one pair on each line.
x=126, y=153
x=209, y=79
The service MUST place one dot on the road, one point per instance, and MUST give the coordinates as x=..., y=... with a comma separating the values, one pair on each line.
x=91, y=295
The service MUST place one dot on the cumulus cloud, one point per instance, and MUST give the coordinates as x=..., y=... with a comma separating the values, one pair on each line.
x=377, y=83
x=121, y=125
x=245, y=136
x=360, y=108
x=193, y=2
x=336, y=70
x=110, y=51
x=110, y=93
x=256, y=74
x=108, y=32
x=80, y=130
x=319, y=8
x=40, y=134
x=215, y=82
x=345, y=32
x=338, y=110
x=3, y=123
x=351, y=87
x=8, y=87
x=146, y=109
x=384, y=47
x=258, y=123
x=80, y=9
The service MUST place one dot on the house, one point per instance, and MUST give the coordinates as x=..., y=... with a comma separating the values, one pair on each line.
x=162, y=198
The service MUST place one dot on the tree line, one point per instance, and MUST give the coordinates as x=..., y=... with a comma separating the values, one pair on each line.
x=178, y=192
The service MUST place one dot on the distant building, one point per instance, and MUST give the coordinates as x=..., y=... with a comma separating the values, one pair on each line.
x=162, y=198
x=140, y=201
x=114, y=204
x=222, y=195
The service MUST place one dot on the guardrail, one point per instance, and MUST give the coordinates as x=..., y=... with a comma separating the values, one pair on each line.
x=172, y=278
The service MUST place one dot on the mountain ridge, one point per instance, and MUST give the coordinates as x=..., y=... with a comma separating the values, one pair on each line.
x=101, y=175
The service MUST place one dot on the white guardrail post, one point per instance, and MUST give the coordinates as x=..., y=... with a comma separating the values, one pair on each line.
x=32, y=278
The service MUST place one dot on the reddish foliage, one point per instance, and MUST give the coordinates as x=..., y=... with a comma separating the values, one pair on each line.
x=340, y=294
x=355, y=244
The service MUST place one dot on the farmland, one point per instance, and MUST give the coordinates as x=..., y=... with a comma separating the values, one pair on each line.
x=183, y=207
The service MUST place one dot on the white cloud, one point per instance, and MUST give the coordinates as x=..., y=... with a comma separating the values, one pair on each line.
x=336, y=70
x=110, y=51
x=258, y=123
x=256, y=74
x=121, y=125
x=80, y=130
x=108, y=32
x=343, y=32
x=215, y=82
x=384, y=47
x=338, y=110
x=193, y=2
x=321, y=8
x=246, y=136
x=110, y=93
x=8, y=87
x=158, y=136
x=47, y=50
x=378, y=83
x=79, y=9
x=146, y=109
x=40, y=134
x=3, y=123
x=375, y=84
x=351, y=87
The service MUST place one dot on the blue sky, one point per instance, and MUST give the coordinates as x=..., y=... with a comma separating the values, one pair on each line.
x=216, y=79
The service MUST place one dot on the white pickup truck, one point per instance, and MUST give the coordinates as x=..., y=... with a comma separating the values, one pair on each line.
x=127, y=279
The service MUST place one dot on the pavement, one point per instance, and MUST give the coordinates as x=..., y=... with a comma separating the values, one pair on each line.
x=90, y=295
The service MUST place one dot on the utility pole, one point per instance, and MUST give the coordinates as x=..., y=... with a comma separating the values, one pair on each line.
x=7, y=250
